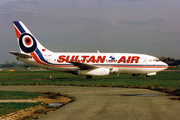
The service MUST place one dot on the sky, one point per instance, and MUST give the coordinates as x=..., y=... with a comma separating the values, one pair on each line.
x=134, y=26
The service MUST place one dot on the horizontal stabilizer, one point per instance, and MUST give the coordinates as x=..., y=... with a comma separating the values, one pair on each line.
x=20, y=54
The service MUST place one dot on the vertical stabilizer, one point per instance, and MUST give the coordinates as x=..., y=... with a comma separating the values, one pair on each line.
x=26, y=40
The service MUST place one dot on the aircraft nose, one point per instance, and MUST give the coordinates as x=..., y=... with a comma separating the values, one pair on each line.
x=166, y=65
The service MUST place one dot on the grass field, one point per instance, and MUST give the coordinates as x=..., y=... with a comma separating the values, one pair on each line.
x=164, y=81
x=6, y=108
x=17, y=95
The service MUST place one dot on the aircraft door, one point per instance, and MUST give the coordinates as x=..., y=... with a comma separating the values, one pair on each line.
x=47, y=58
x=145, y=60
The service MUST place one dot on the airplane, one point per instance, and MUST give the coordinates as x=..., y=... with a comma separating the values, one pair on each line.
x=87, y=64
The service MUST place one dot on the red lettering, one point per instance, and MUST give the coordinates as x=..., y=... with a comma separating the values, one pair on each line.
x=76, y=59
x=135, y=58
x=91, y=59
x=122, y=59
x=101, y=59
x=67, y=58
x=61, y=58
x=84, y=58
x=72, y=58
x=128, y=60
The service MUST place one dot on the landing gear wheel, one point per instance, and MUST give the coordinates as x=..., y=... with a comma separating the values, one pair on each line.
x=136, y=75
x=147, y=76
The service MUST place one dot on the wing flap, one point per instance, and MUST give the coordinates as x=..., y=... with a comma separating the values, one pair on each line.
x=20, y=54
x=84, y=66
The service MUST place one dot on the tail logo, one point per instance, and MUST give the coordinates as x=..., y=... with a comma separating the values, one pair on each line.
x=27, y=43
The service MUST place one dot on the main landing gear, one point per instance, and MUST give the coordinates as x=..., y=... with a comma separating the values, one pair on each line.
x=136, y=75
x=147, y=76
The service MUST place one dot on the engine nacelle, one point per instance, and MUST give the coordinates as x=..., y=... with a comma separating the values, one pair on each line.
x=94, y=72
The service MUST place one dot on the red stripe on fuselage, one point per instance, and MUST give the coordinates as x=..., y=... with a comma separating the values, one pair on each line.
x=141, y=66
x=36, y=58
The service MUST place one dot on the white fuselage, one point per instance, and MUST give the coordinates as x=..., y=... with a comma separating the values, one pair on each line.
x=117, y=62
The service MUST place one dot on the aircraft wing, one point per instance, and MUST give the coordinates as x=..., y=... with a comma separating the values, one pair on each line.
x=84, y=66
x=20, y=54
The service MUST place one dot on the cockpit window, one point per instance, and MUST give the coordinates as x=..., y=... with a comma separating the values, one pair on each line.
x=156, y=60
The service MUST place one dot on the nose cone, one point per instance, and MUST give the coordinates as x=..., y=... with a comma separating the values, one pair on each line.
x=165, y=65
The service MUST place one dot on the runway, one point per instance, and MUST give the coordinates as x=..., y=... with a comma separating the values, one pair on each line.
x=106, y=103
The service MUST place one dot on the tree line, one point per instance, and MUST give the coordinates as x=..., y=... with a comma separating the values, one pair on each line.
x=15, y=64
